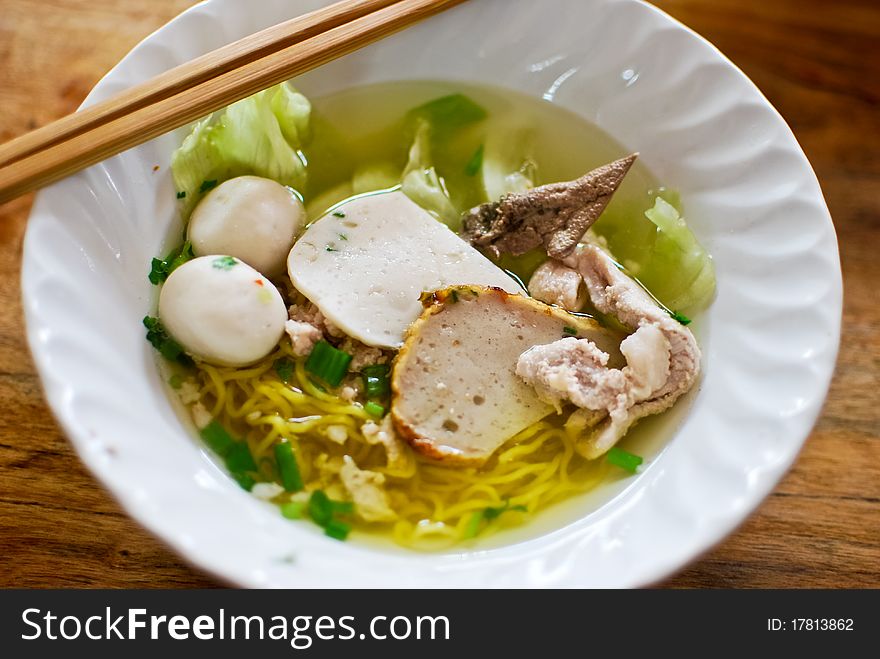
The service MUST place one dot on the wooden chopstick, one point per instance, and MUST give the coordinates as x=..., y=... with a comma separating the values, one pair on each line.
x=190, y=74
x=80, y=149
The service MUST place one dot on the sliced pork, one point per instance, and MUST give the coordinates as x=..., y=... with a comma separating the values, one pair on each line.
x=662, y=357
x=555, y=283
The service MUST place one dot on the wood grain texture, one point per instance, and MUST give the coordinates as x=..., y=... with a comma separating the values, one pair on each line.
x=816, y=62
x=136, y=124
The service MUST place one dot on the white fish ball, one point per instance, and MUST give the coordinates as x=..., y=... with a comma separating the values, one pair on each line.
x=222, y=311
x=251, y=218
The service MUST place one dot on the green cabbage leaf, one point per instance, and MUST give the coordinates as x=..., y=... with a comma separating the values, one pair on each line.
x=260, y=135
x=679, y=271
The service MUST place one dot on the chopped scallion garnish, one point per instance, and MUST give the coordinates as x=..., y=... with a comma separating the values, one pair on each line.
x=684, y=320
x=324, y=510
x=571, y=331
x=374, y=410
x=376, y=382
x=217, y=439
x=475, y=522
x=338, y=214
x=473, y=525
x=284, y=369
x=175, y=381
x=161, y=268
x=239, y=459
x=328, y=363
x=319, y=508
x=161, y=341
x=246, y=481
x=623, y=459
x=293, y=509
x=236, y=455
x=337, y=529
x=288, y=469
x=208, y=185
x=181, y=194
x=493, y=512
x=224, y=262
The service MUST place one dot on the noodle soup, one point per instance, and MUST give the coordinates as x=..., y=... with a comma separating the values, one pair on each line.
x=335, y=243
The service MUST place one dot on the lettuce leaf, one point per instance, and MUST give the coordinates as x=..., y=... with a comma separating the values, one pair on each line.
x=447, y=113
x=422, y=184
x=259, y=135
x=680, y=272
x=508, y=160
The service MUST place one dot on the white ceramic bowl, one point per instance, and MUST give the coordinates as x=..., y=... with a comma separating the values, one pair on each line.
x=651, y=83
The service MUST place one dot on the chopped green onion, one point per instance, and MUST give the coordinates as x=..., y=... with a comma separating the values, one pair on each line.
x=319, y=508
x=324, y=510
x=476, y=162
x=337, y=529
x=236, y=455
x=328, y=363
x=492, y=513
x=454, y=295
x=217, y=439
x=331, y=248
x=376, y=382
x=181, y=194
x=684, y=320
x=569, y=330
x=175, y=381
x=489, y=513
x=161, y=341
x=239, y=459
x=293, y=509
x=161, y=268
x=288, y=468
x=342, y=236
x=158, y=271
x=374, y=410
x=338, y=214
x=208, y=185
x=623, y=459
x=224, y=262
x=284, y=369
x=473, y=525
x=245, y=480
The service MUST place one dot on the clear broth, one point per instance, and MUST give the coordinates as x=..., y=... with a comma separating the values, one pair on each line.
x=363, y=125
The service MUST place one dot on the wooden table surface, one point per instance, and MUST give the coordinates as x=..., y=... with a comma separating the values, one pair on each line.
x=818, y=64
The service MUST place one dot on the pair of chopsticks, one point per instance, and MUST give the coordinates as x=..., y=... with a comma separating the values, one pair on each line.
x=201, y=86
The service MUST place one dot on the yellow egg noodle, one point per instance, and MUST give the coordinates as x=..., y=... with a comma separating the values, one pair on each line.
x=434, y=503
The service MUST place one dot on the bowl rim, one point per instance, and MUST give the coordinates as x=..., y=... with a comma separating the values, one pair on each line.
x=78, y=435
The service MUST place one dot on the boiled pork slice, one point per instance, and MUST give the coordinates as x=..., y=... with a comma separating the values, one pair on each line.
x=662, y=357
x=555, y=283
